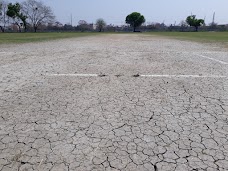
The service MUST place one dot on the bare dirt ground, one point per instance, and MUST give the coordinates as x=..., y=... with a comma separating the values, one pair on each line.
x=114, y=102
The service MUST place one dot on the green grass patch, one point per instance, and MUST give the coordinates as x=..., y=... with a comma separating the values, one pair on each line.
x=7, y=38
x=206, y=37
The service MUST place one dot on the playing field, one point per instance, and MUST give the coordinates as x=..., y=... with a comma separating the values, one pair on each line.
x=203, y=37
x=129, y=102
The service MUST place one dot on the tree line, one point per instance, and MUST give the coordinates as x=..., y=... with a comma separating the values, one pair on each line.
x=135, y=20
x=34, y=14
x=28, y=14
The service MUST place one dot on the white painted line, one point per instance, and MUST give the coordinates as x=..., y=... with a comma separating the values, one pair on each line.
x=6, y=52
x=167, y=76
x=216, y=60
x=185, y=76
x=171, y=52
x=74, y=75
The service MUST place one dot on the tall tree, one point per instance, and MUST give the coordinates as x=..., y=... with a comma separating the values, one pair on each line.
x=100, y=23
x=37, y=13
x=4, y=19
x=135, y=20
x=1, y=4
x=194, y=22
x=14, y=11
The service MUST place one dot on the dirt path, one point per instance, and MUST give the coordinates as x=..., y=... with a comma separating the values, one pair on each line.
x=113, y=102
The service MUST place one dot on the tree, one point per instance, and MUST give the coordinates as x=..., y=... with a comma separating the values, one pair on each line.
x=82, y=25
x=135, y=19
x=213, y=25
x=38, y=13
x=183, y=25
x=82, y=22
x=100, y=23
x=3, y=15
x=194, y=22
x=14, y=11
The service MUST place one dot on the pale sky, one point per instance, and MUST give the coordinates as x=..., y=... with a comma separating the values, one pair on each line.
x=115, y=11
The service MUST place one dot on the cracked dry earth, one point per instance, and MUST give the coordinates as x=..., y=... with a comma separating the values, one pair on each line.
x=53, y=119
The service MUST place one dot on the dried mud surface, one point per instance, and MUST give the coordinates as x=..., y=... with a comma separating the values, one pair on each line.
x=118, y=120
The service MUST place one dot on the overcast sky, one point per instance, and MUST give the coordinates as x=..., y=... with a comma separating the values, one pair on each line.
x=115, y=11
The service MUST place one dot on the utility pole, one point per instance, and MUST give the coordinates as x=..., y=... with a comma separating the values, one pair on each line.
x=204, y=21
x=213, y=21
x=71, y=20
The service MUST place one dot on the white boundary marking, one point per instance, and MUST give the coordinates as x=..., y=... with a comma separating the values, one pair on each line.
x=74, y=75
x=186, y=76
x=174, y=52
x=171, y=52
x=216, y=60
x=155, y=76
x=8, y=53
